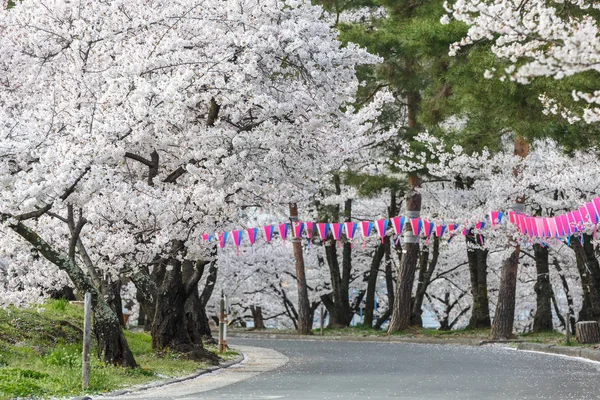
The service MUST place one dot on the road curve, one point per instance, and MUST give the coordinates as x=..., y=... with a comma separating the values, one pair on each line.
x=319, y=370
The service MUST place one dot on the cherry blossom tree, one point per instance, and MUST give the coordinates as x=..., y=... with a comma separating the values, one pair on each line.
x=131, y=129
x=556, y=39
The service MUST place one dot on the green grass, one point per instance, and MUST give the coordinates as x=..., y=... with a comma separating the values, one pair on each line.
x=476, y=334
x=40, y=355
x=358, y=330
x=545, y=337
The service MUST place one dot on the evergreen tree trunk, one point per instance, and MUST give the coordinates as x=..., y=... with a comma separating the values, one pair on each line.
x=542, y=321
x=589, y=270
x=477, y=257
x=304, y=320
x=372, y=284
x=401, y=311
x=502, y=327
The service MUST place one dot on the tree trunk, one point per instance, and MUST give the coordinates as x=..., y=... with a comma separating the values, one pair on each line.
x=196, y=320
x=426, y=268
x=389, y=274
x=570, y=305
x=346, y=269
x=112, y=295
x=257, y=316
x=401, y=311
x=372, y=284
x=542, y=321
x=141, y=321
x=477, y=257
x=304, y=320
x=211, y=279
x=589, y=270
x=112, y=345
x=587, y=332
x=146, y=292
x=502, y=325
x=504, y=317
x=169, y=328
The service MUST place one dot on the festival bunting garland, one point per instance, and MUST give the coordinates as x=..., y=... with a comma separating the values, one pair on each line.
x=534, y=229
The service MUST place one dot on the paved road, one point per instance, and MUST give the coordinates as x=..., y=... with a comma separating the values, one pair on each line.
x=341, y=370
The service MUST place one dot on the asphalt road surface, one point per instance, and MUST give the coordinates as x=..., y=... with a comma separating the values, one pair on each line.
x=361, y=370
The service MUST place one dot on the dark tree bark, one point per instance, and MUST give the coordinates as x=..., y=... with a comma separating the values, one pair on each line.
x=338, y=303
x=571, y=308
x=141, y=321
x=384, y=317
x=257, y=317
x=169, y=328
x=65, y=292
x=444, y=319
x=390, y=279
x=112, y=295
x=401, y=311
x=112, y=345
x=111, y=342
x=211, y=280
x=290, y=310
x=196, y=320
x=304, y=319
x=389, y=282
x=372, y=284
x=477, y=257
x=542, y=320
x=426, y=268
x=502, y=327
x=589, y=270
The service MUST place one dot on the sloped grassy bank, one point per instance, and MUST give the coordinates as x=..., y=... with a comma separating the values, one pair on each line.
x=40, y=355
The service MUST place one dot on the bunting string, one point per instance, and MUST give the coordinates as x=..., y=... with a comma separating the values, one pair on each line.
x=533, y=229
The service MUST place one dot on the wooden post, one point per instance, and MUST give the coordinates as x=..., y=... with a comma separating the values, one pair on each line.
x=322, y=319
x=87, y=310
x=587, y=332
x=222, y=325
x=568, y=326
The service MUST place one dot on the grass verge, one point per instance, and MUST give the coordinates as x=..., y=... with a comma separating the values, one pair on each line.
x=554, y=337
x=40, y=355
